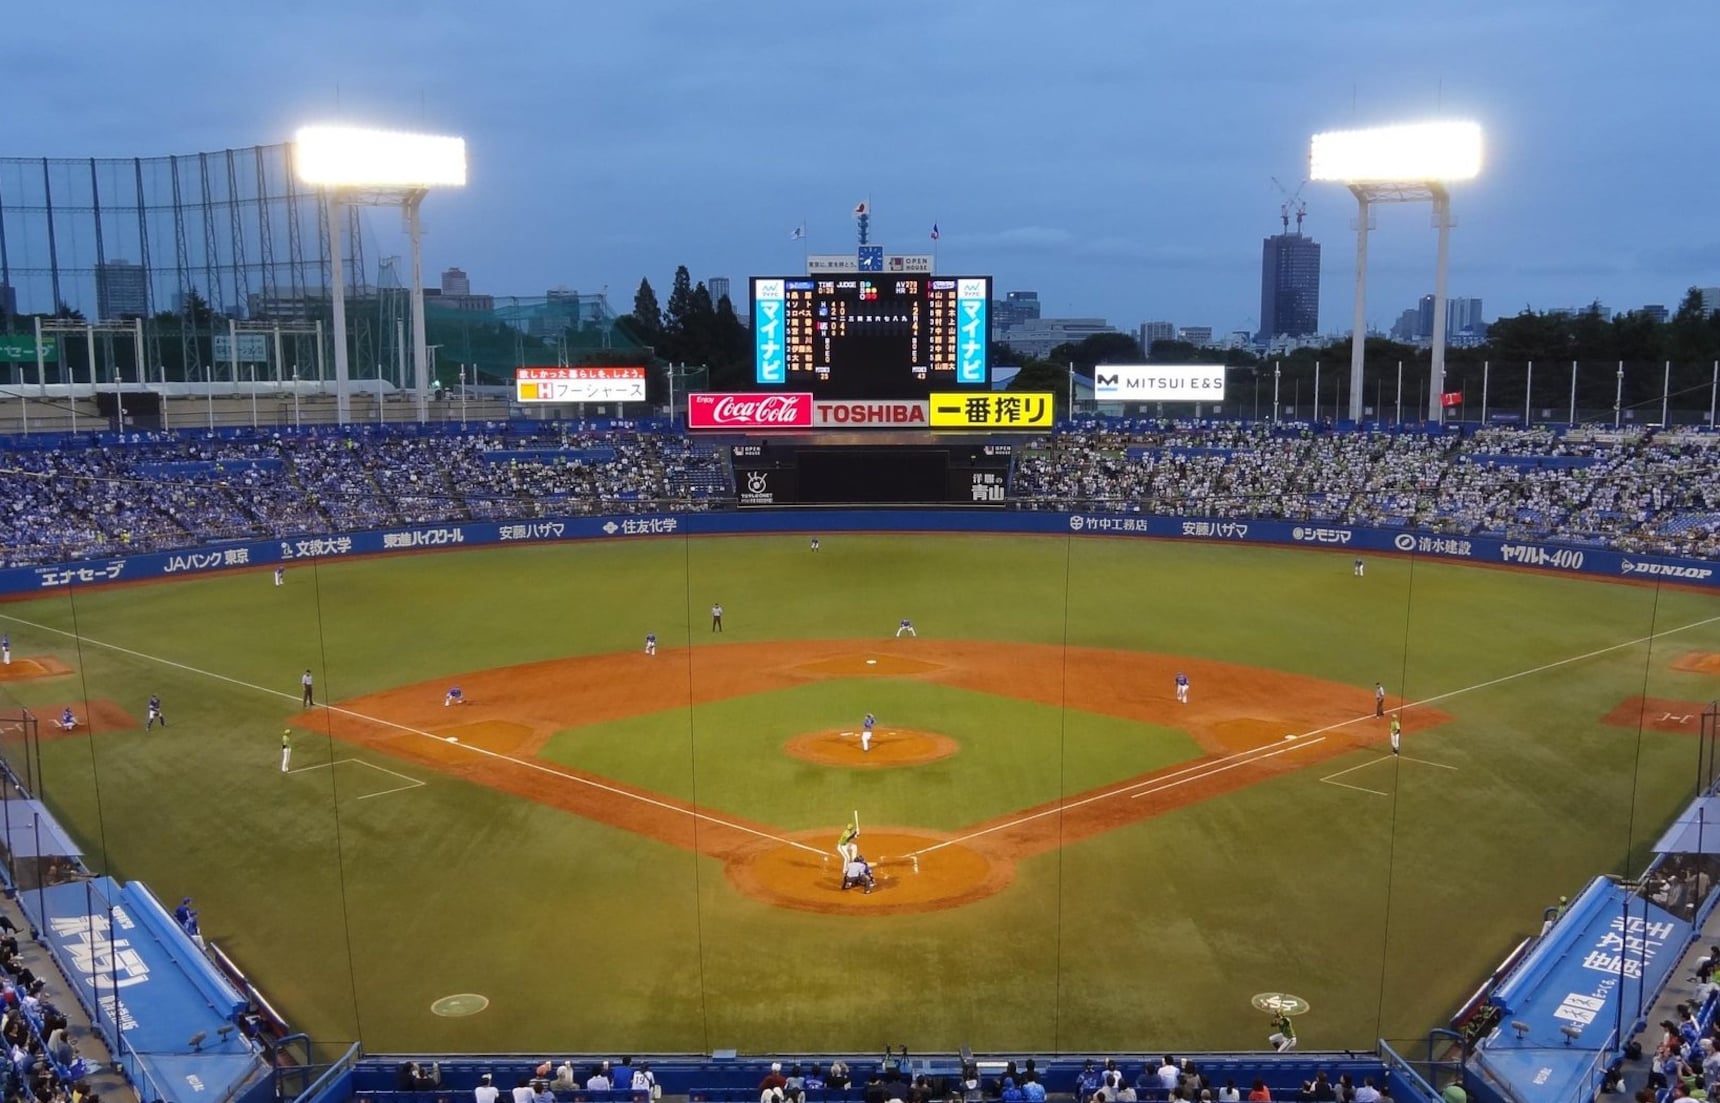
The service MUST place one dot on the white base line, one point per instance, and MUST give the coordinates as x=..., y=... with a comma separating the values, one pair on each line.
x=525, y=763
x=411, y=782
x=1331, y=727
x=1425, y=762
x=1199, y=770
x=1357, y=788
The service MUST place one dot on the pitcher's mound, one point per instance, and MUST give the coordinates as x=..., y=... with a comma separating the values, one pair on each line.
x=809, y=877
x=892, y=747
x=19, y=670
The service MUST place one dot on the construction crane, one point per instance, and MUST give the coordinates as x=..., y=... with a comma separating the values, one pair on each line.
x=1293, y=205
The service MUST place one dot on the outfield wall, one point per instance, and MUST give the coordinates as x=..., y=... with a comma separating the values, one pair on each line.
x=1485, y=550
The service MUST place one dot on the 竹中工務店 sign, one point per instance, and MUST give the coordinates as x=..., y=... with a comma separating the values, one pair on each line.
x=22, y=350
x=590, y=384
x=993, y=410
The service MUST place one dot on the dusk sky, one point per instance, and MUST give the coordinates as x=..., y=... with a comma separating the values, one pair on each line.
x=1116, y=156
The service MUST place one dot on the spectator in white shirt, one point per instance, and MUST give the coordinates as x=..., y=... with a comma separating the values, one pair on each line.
x=485, y=1092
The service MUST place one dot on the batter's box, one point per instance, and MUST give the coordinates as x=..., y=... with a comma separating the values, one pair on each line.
x=1658, y=714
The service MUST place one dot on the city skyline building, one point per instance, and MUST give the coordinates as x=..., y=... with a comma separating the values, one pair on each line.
x=1289, y=286
x=1156, y=331
x=718, y=286
x=456, y=282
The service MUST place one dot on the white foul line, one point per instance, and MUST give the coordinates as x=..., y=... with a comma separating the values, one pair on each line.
x=1200, y=770
x=526, y=763
x=1320, y=731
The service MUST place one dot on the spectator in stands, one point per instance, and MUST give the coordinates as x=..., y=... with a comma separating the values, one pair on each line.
x=1031, y=1089
x=1169, y=1073
x=1010, y=1093
x=1323, y=1091
x=1367, y=1093
x=838, y=1079
x=773, y=1080
x=541, y=1092
x=485, y=1092
x=414, y=1078
x=566, y=1079
x=1259, y=1092
x=1087, y=1081
x=523, y=1090
x=1229, y=1093
x=599, y=1080
x=645, y=1081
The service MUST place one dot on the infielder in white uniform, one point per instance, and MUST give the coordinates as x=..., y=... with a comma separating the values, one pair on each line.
x=1182, y=687
x=286, y=750
x=908, y=627
x=651, y=644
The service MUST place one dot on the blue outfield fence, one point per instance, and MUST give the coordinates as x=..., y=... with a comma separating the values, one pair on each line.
x=1490, y=551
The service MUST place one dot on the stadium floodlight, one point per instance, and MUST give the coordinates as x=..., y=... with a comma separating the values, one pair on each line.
x=357, y=157
x=377, y=167
x=1399, y=164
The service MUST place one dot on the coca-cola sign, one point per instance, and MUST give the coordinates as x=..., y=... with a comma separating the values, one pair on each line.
x=749, y=411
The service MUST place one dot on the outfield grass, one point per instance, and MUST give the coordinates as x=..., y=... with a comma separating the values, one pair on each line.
x=354, y=914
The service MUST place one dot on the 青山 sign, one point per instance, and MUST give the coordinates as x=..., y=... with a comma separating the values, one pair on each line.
x=590, y=384
x=1158, y=383
x=22, y=350
x=994, y=410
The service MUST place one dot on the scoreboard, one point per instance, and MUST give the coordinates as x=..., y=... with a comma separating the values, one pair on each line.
x=871, y=335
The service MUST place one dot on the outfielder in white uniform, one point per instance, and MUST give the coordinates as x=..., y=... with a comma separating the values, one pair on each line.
x=1361, y=568
x=286, y=750
x=908, y=627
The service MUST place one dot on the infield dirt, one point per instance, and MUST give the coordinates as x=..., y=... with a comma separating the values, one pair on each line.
x=1251, y=724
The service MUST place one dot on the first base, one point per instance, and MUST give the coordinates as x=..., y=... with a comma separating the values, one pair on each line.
x=871, y=662
x=453, y=739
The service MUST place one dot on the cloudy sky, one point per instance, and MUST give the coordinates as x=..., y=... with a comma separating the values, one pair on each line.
x=1116, y=155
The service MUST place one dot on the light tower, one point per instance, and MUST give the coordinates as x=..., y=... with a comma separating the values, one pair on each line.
x=377, y=168
x=1399, y=164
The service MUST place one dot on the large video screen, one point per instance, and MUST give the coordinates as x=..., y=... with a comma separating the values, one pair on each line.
x=871, y=335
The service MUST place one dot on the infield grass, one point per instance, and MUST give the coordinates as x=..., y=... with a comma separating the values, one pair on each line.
x=354, y=910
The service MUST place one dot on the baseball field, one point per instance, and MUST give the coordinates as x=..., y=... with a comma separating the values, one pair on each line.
x=608, y=851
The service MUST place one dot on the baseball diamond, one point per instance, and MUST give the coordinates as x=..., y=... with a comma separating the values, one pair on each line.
x=658, y=820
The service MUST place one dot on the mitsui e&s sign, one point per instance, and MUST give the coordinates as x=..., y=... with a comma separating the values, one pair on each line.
x=1158, y=383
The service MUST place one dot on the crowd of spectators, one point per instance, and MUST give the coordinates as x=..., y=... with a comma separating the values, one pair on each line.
x=1638, y=491
x=44, y=1066
x=1641, y=491
x=160, y=492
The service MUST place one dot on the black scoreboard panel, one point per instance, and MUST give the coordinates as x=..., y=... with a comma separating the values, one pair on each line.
x=871, y=335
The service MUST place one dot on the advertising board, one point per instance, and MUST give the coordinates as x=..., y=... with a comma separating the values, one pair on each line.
x=1158, y=383
x=741, y=412
x=589, y=384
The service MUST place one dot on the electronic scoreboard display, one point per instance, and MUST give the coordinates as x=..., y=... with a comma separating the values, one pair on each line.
x=871, y=335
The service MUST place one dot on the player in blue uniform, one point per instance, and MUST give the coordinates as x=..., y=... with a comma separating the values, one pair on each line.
x=455, y=697
x=6, y=648
x=866, y=727
x=650, y=643
x=67, y=721
x=154, y=714
x=1182, y=688
x=908, y=627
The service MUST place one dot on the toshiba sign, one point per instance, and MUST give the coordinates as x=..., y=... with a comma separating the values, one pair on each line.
x=749, y=411
x=1158, y=383
x=870, y=415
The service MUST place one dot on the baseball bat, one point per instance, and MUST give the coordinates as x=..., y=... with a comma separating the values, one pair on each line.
x=856, y=821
